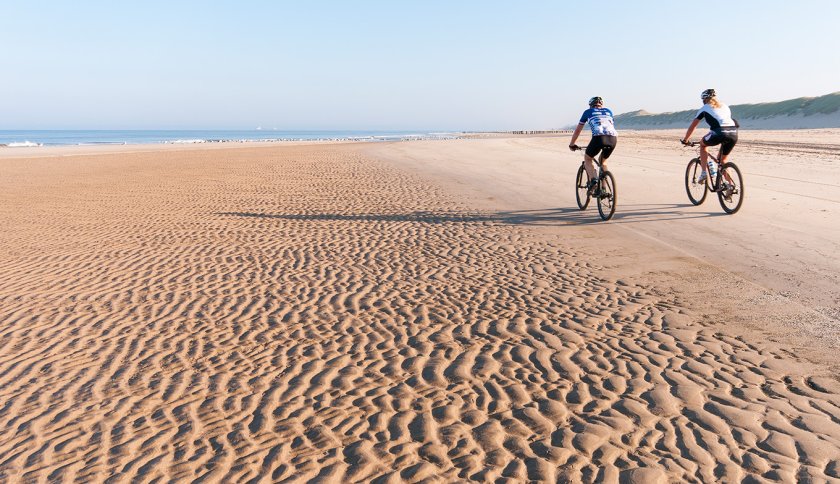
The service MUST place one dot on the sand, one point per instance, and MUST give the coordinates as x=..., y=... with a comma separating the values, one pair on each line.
x=414, y=311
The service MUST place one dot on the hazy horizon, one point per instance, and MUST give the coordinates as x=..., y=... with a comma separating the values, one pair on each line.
x=376, y=66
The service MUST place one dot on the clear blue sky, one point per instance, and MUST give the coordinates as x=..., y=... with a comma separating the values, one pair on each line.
x=428, y=64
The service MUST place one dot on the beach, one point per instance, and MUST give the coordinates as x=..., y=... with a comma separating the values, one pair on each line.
x=416, y=312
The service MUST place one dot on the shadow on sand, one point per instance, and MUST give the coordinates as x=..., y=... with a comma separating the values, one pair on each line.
x=545, y=217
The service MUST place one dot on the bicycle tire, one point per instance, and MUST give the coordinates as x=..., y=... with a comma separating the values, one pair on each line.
x=736, y=197
x=696, y=191
x=607, y=197
x=582, y=188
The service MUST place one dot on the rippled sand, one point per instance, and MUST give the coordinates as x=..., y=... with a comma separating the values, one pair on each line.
x=309, y=312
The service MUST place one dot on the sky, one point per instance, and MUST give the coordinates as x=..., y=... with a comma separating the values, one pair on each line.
x=399, y=65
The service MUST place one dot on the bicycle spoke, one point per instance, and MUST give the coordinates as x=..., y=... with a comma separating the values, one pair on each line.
x=607, y=196
x=695, y=188
x=731, y=192
x=582, y=188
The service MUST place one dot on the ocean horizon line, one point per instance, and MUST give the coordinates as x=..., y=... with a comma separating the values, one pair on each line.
x=70, y=137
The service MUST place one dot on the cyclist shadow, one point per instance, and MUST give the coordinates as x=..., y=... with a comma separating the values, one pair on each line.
x=554, y=216
x=637, y=213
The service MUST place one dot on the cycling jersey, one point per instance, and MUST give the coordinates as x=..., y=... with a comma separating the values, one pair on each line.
x=600, y=121
x=718, y=118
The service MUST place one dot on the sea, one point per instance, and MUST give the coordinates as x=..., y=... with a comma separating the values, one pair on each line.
x=26, y=138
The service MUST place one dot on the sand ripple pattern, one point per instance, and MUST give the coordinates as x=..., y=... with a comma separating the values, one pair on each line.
x=305, y=313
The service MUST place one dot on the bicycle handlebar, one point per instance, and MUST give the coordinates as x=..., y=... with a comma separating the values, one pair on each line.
x=691, y=144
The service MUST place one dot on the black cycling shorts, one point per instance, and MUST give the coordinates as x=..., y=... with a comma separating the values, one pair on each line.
x=726, y=138
x=604, y=144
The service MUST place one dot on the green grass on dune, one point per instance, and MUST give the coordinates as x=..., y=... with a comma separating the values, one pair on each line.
x=803, y=106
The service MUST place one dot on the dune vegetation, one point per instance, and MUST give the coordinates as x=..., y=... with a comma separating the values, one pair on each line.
x=825, y=111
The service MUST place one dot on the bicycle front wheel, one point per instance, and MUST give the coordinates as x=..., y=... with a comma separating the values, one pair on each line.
x=582, y=188
x=731, y=193
x=607, y=197
x=695, y=189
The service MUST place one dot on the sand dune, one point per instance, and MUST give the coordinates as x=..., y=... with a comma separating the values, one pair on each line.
x=303, y=313
x=791, y=114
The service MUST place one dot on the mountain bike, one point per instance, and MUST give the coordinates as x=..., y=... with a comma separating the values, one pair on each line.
x=727, y=183
x=603, y=190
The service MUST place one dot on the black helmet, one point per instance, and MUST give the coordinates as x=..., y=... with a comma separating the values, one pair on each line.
x=595, y=100
x=708, y=93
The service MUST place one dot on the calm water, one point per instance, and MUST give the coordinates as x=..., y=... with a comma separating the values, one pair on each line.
x=14, y=138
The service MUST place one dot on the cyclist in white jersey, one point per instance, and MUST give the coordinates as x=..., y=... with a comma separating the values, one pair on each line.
x=723, y=129
x=604, y=135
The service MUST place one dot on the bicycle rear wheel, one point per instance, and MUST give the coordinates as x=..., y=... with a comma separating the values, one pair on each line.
x=582, y=188
x=607, y=197
x=731, y=194
x=696, y=190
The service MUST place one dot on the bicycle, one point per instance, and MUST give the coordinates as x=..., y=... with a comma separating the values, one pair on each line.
x=728, y=183
x=604, y=189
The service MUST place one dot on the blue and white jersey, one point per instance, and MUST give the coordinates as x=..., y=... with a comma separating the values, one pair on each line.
x=600, y=121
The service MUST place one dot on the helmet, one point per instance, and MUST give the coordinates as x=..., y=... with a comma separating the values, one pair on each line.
x=708, y=93
x=595, y=100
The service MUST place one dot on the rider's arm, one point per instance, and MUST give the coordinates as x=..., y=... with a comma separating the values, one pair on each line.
x=576, y=134
x=690, y=129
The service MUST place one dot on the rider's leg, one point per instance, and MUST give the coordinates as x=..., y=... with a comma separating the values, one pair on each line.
x=704, y=155
x=609, y=143
x=721, y=160
x=728, y=186
x=590, y=166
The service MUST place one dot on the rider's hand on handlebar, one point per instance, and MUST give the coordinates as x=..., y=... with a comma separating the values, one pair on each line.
x=684, y=142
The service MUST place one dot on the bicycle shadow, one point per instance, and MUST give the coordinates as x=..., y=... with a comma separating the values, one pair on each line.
x=563, y=216
x=637, y=213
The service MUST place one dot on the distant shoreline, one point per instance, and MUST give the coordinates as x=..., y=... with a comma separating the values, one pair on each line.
x=46, y=138
x=136, y=139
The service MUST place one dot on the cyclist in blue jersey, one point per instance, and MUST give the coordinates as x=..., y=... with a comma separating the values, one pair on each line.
x=723, y=130
x=604, y=136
